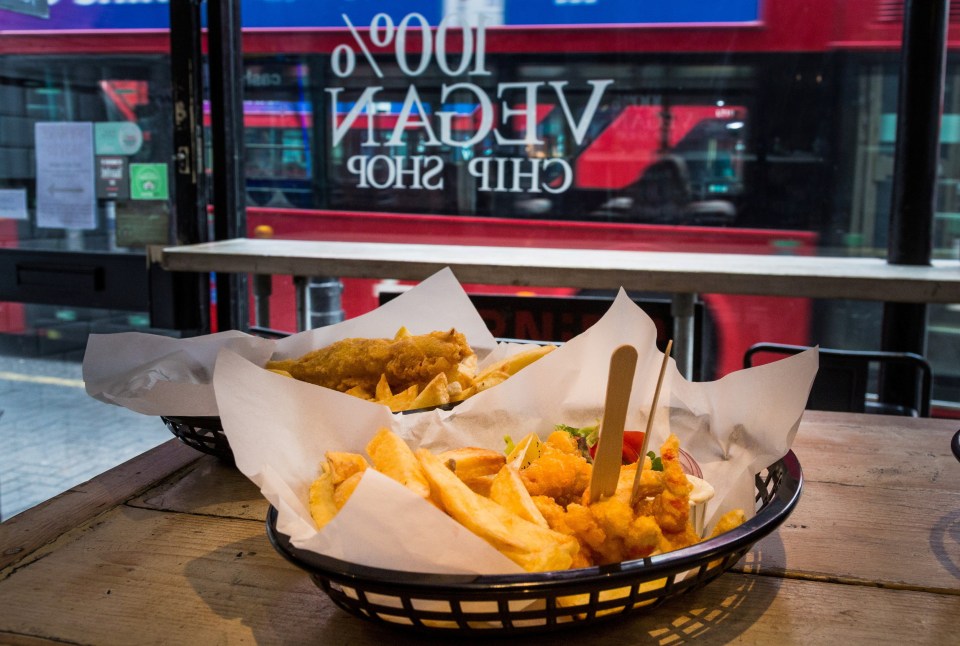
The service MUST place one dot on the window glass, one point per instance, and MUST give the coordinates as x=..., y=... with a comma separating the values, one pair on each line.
x=745, y=127
x=83, y=113
x=735, y=127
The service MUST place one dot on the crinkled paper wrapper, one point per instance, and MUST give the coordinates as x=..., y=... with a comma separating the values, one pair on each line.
x=158, y=375
x=279, y=429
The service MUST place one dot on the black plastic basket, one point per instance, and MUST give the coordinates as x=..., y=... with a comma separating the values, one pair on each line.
x=202, y=433
x=541, y=602
x=206, y=433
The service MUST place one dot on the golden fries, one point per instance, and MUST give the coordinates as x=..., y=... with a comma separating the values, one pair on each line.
x=476, y=467
x=392, y=457
x=516, y=362
x=343, y=491
x=322, y=506
x=340, y=475
x=444, y=365
x=532, y=547
x=434, y=393
x=401, y=401
x=508, y=490
x=344, y=465
x=383, y=388
x=530, y=544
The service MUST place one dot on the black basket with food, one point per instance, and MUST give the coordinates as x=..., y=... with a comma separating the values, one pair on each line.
x=204, y=434
x=541, y=602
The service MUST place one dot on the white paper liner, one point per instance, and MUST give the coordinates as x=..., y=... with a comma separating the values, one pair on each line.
x=279, y=430
x=158, y=375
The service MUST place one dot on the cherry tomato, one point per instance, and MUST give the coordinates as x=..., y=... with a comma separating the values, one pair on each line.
x=632, y=445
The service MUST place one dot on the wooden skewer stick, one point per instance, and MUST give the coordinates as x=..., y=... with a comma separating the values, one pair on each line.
x=646, y=436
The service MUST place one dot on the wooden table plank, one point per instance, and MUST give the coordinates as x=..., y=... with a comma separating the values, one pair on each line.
x=21, y=535
x=869, y=555
x=208, y=487
x=147, y=577
x=865, y=534
x=878, y=450
x=676, y=272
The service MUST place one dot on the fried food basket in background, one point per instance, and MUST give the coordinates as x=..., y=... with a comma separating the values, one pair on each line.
x=205, y=434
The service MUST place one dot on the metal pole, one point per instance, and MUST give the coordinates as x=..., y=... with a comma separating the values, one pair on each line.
x=682, y=308
x=916, y=156
x=190, y=306
x=226, y=117
x=920, y=103
x=304, y=306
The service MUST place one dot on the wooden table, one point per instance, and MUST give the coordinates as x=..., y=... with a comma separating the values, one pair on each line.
x=171, y=548
x=682, y=274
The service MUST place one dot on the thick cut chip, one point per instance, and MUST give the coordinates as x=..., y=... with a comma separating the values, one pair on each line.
x=343, y=491
x=343, y=465
x=402, y=400
x=508, y=490
x=476, y=467
x=383, y=388
x=518, y=361
x=359, y=391
x=393, y=458
x=322, y=506
x=491, y=379
x=433, y=394
x=534, y=548
x=465, y=393
x=467, y=370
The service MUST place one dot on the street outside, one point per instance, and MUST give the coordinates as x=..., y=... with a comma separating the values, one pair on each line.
x=53, y=436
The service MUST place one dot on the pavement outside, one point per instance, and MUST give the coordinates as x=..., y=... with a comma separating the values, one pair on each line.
x=53, y=436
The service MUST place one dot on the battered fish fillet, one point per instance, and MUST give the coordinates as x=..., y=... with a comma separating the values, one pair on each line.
x=359, y=363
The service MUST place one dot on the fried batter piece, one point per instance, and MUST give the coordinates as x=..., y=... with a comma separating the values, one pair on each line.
x=672, y=507
x=613, y=530
x=560, y=472
x=609, y=531
x=359, y=363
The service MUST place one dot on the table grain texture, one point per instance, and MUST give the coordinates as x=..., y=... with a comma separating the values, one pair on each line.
x=170, y=548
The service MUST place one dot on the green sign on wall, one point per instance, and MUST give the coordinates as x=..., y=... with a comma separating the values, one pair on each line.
x=149, y=182
x=117, y=138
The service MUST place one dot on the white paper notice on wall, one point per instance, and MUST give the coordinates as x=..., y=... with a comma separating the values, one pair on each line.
x=65, y=175
x=13, y=203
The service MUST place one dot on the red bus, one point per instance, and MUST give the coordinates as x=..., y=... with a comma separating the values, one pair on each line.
x=759, y=127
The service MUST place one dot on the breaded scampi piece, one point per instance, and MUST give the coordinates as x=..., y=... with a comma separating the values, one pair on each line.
x=560, y=472
x=609, y=531
x=730, y=520
x=672, y=506
x=359, y=363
